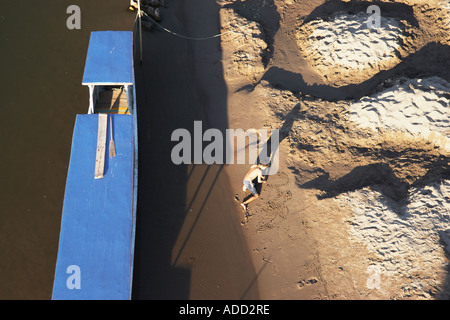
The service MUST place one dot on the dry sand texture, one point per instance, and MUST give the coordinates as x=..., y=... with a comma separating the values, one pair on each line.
x=420, y=107
x=353, y=49
x=363, y=187
x=356, y=52
x=246, y=58
x=406, y=240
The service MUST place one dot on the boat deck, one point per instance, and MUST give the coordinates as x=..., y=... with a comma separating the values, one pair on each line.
x=112, y=102
x=96, y=245
x=98, y=220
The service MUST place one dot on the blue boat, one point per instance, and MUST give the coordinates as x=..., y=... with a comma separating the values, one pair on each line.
x=96, y=244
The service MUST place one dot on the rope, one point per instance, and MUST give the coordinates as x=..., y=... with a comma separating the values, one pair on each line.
x=186, y=37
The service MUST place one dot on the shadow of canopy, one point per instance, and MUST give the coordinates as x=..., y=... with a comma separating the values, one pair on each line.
x=188, y=240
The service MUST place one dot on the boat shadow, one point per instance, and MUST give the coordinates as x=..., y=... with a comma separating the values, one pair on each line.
x=188, y=240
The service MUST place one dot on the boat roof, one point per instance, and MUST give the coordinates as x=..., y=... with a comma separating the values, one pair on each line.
x=109, y=59
x=97, y=222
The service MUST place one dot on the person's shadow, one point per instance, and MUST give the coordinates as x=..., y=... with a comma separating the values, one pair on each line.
x=269, y=148
x=258, y=187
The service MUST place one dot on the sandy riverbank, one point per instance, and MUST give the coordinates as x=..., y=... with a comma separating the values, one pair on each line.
x=360, y=205
x=331, y=223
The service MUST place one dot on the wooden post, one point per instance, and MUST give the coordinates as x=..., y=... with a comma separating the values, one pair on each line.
x=91, y=99
x=129, y=100
x=140, y=30
x=101, y=145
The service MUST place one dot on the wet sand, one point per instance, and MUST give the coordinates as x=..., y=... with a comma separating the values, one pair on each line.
x=188, y=240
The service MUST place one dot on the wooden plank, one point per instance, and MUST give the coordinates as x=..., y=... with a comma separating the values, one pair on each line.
x=112, y=111
x=110, y=104
x=112, y=94
x=101, y=146
x=113, y=108
x=111, y=99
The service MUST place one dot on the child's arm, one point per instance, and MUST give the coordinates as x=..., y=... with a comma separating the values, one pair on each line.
x=260, y=177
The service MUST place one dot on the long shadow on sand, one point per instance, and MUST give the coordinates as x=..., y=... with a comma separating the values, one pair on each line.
x=374, y=174
x=429, y=61
x=267, y=152
x=182, y=224
x=380, y=175
x=396, y=10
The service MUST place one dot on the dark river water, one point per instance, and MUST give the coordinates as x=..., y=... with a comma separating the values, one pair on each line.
x=188, y=237
x=42, y=64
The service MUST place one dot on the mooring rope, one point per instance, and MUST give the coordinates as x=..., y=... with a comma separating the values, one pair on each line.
x=186, y=37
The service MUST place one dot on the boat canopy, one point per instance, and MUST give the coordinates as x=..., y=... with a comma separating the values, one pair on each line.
x=109, y=59
x=96, y=245
x=109, y=63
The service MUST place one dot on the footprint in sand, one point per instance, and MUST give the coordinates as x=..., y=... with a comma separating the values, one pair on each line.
x=270, y=209
x=302, y=283
x=274, y=208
